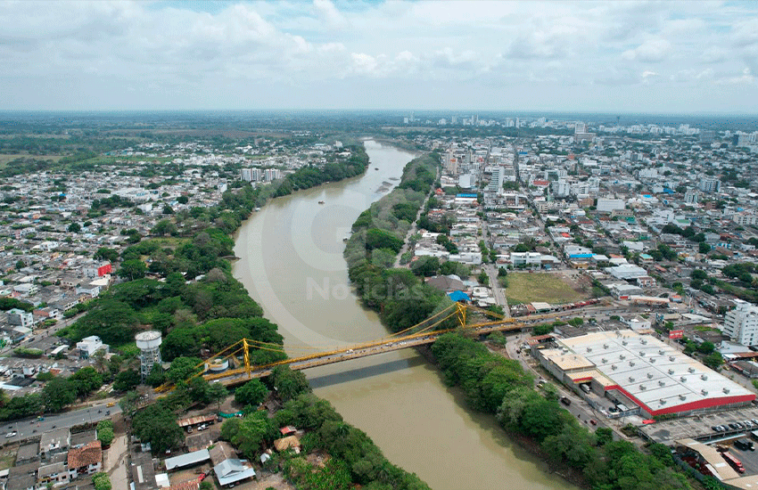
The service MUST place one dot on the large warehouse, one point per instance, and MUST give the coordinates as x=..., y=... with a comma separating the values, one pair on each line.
x=654, y=376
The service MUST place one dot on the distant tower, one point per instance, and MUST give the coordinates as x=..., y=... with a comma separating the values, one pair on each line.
x=150, y=353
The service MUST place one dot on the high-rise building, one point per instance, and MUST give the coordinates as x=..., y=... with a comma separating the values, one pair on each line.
x=272, y=174
x=496, y=182
x=741, y=324
x=710, y=185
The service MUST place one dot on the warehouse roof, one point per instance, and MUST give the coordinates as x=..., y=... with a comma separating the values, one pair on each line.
x=659, y=377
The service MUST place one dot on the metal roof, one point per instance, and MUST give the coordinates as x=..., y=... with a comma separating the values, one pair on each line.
x=658, y=376
x=232, y=470
x=187, y=459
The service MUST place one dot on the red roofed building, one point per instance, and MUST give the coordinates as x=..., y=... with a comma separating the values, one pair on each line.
x=85, y=460
x=540, y=183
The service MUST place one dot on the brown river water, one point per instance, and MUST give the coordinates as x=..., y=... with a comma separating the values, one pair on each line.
x=291, y=263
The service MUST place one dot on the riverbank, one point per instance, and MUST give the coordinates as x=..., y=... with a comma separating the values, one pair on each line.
x=292, y=262
x=491, y=383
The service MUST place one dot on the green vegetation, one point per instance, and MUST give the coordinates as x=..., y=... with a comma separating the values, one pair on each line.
x=400, y=297
x=500, y=387
x=312, y=176
x=105, y=432
x=551, y=288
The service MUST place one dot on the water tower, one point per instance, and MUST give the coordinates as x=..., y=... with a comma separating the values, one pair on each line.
x=149, y=344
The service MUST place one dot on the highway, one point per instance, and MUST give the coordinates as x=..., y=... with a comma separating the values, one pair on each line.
x=28, y=428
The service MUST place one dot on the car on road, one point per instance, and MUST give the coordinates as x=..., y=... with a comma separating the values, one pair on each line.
x=11, y=434
x=592, y=421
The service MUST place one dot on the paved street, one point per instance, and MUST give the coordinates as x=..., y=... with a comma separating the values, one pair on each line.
x=28, y=428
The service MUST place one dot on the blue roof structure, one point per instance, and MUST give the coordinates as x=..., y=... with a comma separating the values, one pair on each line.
x=459, y=296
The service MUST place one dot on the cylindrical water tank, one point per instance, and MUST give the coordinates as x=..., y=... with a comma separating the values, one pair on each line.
x=218, y=365
x=149, y=340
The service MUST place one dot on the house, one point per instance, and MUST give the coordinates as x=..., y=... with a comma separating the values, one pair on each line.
x=446, y=284
x=85, y=460
x=54, y=474
x=55, y=441
x=233, y=470
x=22, y=477
x=89, y=345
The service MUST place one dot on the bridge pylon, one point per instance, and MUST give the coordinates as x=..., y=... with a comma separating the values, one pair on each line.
x=461, y=314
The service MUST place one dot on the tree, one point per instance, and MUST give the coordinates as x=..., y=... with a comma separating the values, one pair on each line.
x=497, y=338
x=182, y=368
x=128, y=403
x=163, y=227
x=703, y=248
x=126, y=380
x=20, y=264
x=57, y=393
x=182, y=199
x=86, y=380
x=483, y=278
x=132, y=269
x=105, y=435
x=699, y=274
x=248, y=434
x=217, y=393
x=105, y=253
x=251, y=393
x=714, y=360
x=156, y=377
x=706, y=347
x=101, y=481
x=167, y=209
x=426, y=266
x=157, y=425
x=74, y=228
x=288, y=383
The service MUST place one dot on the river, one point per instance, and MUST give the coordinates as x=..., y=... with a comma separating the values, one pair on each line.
x=291, y=263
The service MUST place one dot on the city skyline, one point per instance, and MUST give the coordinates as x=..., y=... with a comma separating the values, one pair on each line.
x=629, y=57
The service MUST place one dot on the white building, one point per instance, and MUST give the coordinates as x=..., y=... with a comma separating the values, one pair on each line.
x=89, y=345
x=710, y=185
x=20, y=318
x=741, y=323
x=745, y=219
x=606, y=205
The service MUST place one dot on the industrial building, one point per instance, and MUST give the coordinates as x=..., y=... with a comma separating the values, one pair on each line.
x=640, y=371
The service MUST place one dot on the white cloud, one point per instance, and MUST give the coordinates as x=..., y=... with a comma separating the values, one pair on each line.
x=287, y=51
x=652, y=51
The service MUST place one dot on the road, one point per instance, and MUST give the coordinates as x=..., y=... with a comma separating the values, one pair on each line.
x=497, y=292
x=414, y=226
x=28, y=428
x=578, y=408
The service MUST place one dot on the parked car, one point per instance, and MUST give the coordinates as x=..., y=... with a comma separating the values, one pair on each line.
x=11, y=434
x=592, y=421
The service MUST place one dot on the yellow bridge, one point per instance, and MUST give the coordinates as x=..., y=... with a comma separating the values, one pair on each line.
x=456, y=315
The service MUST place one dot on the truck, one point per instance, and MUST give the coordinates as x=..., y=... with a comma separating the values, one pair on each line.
x=744, y=444
x=733, y=461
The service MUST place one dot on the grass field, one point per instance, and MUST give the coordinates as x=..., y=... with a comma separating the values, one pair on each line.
x=5, y=158
x=550, y=288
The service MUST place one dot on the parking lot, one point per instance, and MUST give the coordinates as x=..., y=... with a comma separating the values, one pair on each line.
x=749, y=459
x=700, y=427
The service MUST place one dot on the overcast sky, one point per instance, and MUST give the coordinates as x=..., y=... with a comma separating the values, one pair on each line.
x=622, y=56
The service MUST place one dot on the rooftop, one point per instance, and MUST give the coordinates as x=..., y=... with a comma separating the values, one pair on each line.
x=656, y=375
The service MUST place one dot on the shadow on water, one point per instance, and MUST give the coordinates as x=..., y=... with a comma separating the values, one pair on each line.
x=364, y=372
x=488, y=423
